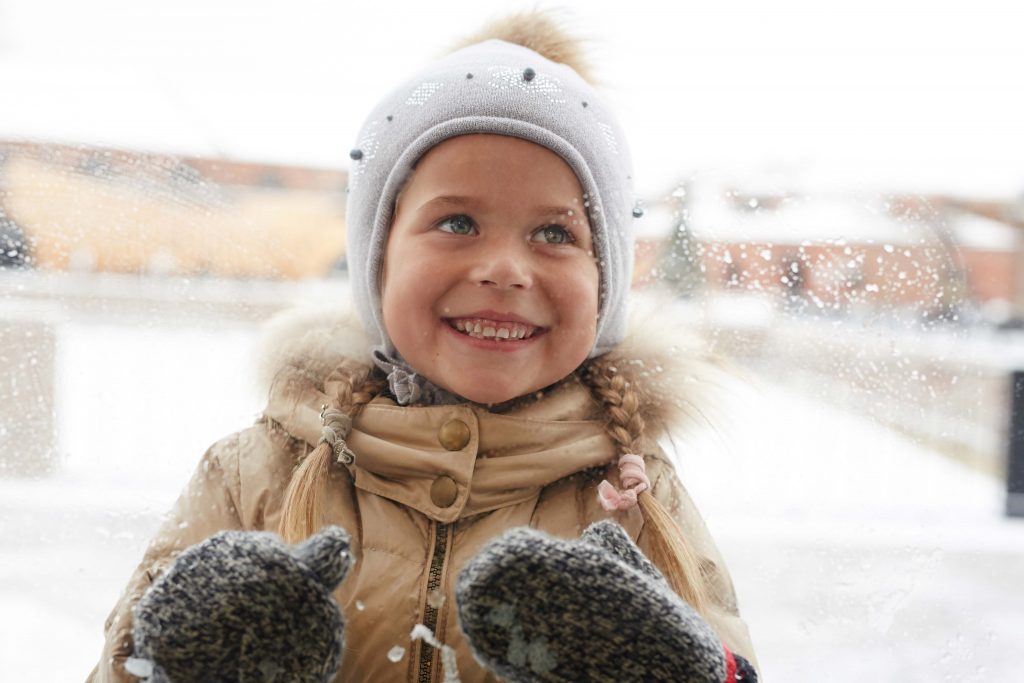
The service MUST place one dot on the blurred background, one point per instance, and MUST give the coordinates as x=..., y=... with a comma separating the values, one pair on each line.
x=833, y=195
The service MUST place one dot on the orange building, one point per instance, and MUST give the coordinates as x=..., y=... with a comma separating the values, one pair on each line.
x=84, y=208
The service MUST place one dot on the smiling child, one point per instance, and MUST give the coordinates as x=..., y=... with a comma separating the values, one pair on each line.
x=486, y=432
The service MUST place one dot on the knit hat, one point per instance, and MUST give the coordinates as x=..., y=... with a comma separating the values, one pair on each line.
x=243, y=606
x=499, y=88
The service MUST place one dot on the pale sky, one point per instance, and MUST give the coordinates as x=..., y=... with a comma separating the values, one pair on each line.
x=900, y=95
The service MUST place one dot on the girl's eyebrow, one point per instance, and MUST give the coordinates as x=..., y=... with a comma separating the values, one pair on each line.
x=473, y=203
x=455, y=200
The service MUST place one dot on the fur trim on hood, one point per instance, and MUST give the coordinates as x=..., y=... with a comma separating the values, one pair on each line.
x=679, y=376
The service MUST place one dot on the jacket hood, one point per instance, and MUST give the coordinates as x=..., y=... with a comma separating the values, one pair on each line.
x=679, y=376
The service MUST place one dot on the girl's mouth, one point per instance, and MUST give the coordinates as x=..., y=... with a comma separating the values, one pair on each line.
x=493, y=330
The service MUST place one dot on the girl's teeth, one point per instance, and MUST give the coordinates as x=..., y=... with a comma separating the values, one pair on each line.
x=510, y=331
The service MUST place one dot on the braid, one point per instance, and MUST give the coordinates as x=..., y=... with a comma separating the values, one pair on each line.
x=621, y=401
x=302, y=510
x=358, y=386
x=612, y=382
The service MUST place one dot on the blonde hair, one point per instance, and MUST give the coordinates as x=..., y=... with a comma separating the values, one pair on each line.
x=302, y=510
x=612, y=381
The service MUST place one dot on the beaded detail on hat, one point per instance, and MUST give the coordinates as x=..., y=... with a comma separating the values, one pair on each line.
x=512, y=78
x=423, y=92
x=609, y=136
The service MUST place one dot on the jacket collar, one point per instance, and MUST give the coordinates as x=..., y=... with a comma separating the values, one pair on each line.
x=505, y=459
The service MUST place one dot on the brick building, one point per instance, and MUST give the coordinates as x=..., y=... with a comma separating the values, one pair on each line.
x=837, y=253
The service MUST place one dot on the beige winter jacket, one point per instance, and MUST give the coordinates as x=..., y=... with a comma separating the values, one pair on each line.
x=429, y=486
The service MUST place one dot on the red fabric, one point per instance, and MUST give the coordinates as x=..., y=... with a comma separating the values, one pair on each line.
x=730, y=666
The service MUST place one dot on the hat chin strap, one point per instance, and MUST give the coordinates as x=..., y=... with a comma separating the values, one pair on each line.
x=407, y=385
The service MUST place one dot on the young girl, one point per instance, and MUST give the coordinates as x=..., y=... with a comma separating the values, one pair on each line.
x=489, y=383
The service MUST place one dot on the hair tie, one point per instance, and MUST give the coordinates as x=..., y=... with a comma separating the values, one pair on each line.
x=633, y=475
x=336, y=427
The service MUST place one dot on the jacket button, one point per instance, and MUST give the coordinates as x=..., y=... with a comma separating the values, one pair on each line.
x=444, y=491
x=453, y=435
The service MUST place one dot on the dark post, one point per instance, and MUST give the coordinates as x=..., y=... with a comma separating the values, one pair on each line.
x=1015, y=453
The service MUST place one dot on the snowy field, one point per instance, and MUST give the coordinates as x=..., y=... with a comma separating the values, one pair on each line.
x=857, y=555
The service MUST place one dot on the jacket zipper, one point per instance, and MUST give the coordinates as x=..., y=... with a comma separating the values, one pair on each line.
x=429, y=611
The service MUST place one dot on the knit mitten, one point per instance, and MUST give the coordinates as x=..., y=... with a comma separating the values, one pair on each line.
x=537, y=608
x=243, y=607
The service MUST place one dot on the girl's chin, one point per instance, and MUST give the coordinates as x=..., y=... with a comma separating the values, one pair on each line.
x=490, y=398
x=487, y=390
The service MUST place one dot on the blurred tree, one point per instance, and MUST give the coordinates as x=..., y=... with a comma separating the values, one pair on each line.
x=680, y=268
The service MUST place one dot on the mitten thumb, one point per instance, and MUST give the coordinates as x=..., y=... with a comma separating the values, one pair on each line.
x=327, y=554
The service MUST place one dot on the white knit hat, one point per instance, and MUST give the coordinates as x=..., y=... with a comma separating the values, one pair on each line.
x=504, y=89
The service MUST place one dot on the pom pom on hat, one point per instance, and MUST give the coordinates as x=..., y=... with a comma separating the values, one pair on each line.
x=537, y=31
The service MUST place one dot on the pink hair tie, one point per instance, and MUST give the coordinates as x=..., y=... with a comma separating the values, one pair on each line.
x=634, y=482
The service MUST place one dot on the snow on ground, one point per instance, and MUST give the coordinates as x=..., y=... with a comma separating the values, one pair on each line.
x=137, y=407
x=857, y=555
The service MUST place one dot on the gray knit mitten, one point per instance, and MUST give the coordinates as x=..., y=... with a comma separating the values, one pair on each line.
x=243, y=607
x=537, y=608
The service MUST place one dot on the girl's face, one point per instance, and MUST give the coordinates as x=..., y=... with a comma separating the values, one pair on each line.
x=490, y=285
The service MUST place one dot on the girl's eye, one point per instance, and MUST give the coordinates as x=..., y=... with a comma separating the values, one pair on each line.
x=553, y=234
x=457, y=225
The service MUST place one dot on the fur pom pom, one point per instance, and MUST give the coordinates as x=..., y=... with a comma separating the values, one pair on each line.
x=538, y=31
x=666, y=354
x=299, y=347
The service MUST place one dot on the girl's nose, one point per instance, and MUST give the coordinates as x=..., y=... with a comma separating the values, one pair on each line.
x=503, y=269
